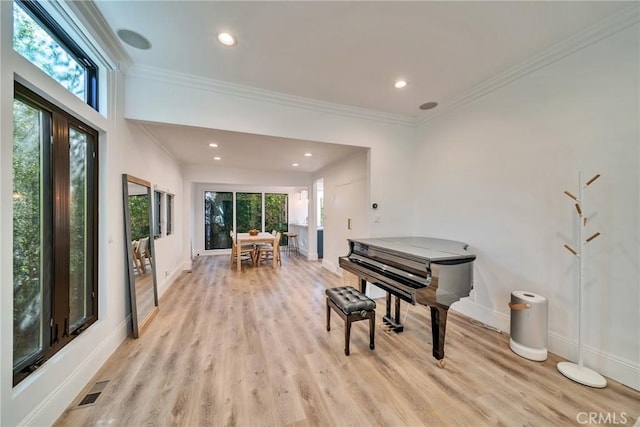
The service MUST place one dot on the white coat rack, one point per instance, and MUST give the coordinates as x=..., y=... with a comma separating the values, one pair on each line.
x=578, y=372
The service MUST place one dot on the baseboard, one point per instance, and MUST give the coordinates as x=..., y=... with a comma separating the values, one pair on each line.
x=483, y=314
x=331, y=266
x=623, y=371
x=56, y=402
x=168, y=280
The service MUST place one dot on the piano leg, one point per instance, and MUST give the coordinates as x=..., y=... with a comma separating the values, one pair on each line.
x=438, y=327
x=393, y=322
x=387, y=317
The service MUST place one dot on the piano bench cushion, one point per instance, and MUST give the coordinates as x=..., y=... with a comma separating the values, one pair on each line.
x=350, y=300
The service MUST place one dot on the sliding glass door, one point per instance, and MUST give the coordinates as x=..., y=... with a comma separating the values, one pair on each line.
x=218, y=219
x=276, y=215
x=250, y=211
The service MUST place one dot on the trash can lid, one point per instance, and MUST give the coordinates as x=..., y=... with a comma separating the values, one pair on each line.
x=529, y=296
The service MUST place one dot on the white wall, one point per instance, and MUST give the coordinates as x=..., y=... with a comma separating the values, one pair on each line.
x=41, y=397
x=141, y=156
x=346, y=196
x=495, y=174
x=299, y=205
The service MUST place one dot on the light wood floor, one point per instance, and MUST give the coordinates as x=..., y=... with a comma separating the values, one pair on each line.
x=250, y=348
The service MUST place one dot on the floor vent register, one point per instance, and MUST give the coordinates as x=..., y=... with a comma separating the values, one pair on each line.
x=92, y=397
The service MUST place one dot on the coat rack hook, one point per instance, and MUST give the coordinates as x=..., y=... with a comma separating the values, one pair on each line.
x=596, y=176
x=571, y=195
x=570, y=249
x=593, y=237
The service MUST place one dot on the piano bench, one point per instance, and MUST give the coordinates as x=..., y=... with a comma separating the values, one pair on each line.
x=352, y=306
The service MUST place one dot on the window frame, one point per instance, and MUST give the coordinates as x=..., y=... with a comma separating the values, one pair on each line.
x=55, y=30
x=158, y=203
x=56, y=224
x=169, y=201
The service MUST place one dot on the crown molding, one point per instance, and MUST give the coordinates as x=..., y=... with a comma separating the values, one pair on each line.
x=615, y=23
x=256, y=94
x=95, y=25
x=149, y=133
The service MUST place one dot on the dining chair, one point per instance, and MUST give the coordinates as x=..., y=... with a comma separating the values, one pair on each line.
x=266, y=245
x=233, y=246
x=246, y=253
x=138, y=255
x=136, y=262
x=146, y=253
x=270, y=251
x=143, y=254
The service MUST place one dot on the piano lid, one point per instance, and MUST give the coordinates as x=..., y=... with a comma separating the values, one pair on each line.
x=421, y=248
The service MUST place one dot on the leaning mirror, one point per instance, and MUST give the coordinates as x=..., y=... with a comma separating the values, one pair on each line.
x=140, y=251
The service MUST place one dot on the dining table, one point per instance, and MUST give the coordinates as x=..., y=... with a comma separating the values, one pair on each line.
x=247, y=239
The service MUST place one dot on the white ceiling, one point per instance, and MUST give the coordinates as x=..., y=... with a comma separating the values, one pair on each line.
x=344, y=52
x=190, y=145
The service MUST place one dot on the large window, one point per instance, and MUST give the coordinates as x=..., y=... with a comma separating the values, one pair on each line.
x=249, y=211
x=55, y=180
x=276, y=213
x=218, y=219
x=38, y=38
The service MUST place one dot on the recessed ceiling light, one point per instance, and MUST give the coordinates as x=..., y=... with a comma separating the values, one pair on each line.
x=308, y=154
x=134, y=39
x=217, y=158
x=428, y=105
x=227, y=39
x=213, y=145
x=399, y=84
x=295, y=165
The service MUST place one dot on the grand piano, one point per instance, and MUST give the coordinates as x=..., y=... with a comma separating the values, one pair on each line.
x=431, y=272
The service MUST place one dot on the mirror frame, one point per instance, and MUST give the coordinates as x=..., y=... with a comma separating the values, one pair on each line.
x=137, y=324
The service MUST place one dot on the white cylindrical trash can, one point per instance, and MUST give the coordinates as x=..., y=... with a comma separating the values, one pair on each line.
x=529, y=325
